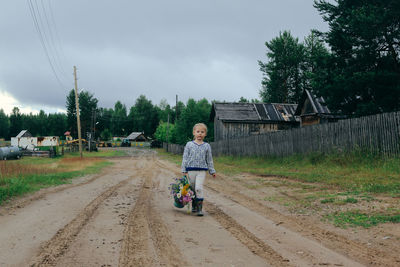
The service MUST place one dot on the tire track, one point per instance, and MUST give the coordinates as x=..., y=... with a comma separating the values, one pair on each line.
x=147, y=241
x=56, y=246
x=256, y=245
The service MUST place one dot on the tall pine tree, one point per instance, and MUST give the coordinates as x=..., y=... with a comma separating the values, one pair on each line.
x=364, y=69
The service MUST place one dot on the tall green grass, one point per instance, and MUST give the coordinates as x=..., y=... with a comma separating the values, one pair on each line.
x=359, y=172
x=19, y=185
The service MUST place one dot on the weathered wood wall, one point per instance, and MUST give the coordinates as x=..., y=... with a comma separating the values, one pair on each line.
x=174, y=148
x=229, y=130
x=378, y=134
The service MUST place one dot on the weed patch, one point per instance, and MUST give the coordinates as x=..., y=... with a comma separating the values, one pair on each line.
x=356, y=218
x=327, y=200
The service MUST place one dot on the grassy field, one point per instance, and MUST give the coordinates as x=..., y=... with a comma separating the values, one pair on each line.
x=346, y=189
x=18, y=177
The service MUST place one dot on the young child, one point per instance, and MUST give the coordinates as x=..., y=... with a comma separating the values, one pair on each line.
x=197, y=159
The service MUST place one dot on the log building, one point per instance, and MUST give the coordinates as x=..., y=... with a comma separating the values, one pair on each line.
x=313, y=110
x=232, y=120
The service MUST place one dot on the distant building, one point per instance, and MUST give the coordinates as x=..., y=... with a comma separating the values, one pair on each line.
x=68, y=136
x=313, y=110
x=232, y=120
x=26, y=141
x=137, y=137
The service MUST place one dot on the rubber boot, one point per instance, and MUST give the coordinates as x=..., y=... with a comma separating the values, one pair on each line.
x=194, y=205
x=200, y=208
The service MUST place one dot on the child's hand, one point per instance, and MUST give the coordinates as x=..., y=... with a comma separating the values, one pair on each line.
x=214, y=175
x=185, y=174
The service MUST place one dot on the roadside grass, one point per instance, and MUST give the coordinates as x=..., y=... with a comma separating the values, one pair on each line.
x=98, y=154
x=31, y=174
x=358, y=218
x=354, y=172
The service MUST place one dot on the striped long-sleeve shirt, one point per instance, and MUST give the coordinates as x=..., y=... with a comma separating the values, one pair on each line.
x=197, y=157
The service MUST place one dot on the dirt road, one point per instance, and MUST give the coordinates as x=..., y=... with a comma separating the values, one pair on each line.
x=124, y=217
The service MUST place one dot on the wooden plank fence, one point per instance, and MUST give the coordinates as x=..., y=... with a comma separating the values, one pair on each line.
x=377, y=134
x=174, y=148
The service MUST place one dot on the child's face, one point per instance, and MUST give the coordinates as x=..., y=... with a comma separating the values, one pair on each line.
x=199, y=133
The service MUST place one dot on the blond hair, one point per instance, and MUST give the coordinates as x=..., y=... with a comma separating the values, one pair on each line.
x=202, y=125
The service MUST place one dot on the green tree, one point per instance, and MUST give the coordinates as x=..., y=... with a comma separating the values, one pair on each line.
x=57, y=124
x=314, y=66
x=164, y=109
x=161, y=132
x=87, y=106
x=243, y=100
x=282, y=73
x=103, y=117
x=105, y=135
x=15, y=122
x=144, y=116
x=4, y=125
x=364, y=69
x=194, y=112
x=119, y=120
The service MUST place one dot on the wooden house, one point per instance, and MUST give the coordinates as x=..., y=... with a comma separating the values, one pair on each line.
x=137, y=137
x=313, y=110
x=233, y=120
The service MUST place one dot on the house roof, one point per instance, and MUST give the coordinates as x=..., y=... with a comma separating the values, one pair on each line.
x=317, y=104
x=254, y=112
x=24, y=133
x=134, y=135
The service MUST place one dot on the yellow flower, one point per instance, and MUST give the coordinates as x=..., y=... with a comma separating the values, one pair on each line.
x=184, y=190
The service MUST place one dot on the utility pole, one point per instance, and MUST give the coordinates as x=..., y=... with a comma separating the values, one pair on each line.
x=78, y=119
x=167, y=130
x=176, y=109
x=94, y=126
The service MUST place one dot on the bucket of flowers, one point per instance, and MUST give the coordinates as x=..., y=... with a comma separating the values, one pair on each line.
x=182, y=192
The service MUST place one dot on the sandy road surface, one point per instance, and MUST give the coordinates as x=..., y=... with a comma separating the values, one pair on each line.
x=124, y=217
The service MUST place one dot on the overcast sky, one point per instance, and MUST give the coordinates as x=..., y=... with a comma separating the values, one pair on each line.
x=126, y=48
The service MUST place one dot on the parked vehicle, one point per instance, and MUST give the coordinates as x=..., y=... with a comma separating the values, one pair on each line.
x=10, y=152
x=156, y=144
x=126, y=142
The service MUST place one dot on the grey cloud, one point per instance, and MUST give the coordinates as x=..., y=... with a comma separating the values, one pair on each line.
x=157, y=48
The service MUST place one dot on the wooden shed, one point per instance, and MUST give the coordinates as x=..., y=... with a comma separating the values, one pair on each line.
x=233, y=120
x=137, y=137
x=313, y=110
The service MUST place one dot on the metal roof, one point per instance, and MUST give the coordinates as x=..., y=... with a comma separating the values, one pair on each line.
x=254, y=112
x=24, y=133
x=134, y=135
x=317, y=104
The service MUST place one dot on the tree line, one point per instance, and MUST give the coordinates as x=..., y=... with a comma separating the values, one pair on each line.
x=106, y=123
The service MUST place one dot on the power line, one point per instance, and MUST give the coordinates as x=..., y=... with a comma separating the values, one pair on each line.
x=56, y=30
x=48, y=37
x=53, y=46
x=42, y=41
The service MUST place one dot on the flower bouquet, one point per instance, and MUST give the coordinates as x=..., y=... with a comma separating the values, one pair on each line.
x=182, y=192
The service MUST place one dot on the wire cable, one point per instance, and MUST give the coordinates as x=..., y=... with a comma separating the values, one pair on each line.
x=37, y=27
x=52, y=42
